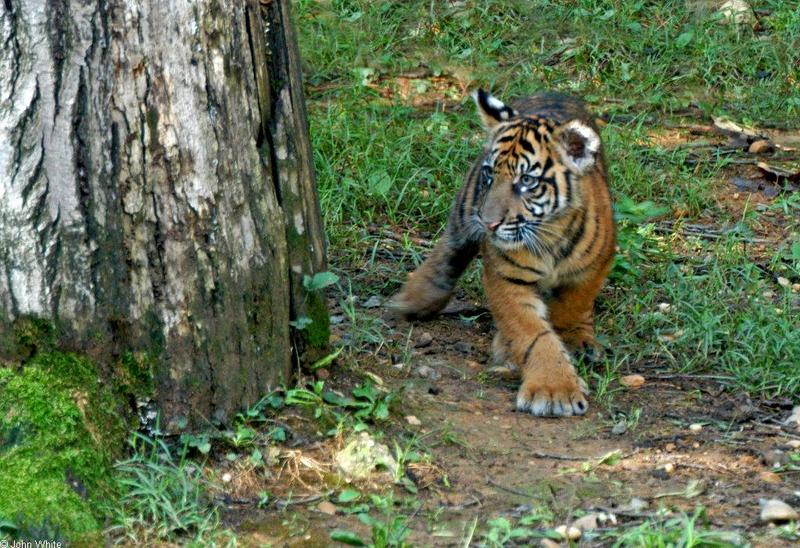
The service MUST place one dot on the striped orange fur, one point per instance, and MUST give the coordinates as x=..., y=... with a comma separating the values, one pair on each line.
x=536, y=205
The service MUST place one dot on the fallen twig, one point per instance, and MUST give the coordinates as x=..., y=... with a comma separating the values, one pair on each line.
x=502, y=487
x=283, y=503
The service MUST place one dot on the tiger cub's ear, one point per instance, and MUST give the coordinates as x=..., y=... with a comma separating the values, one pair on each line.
x=577, y=144
x=491, y=110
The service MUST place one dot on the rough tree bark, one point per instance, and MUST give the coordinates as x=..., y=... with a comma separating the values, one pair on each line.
x=157, y=198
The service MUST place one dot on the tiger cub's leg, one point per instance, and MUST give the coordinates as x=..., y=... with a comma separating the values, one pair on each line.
x=429, y=287
x=572, y=315
x=550, y=385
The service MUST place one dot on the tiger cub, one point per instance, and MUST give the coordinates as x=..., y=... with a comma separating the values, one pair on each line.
x=536, y=205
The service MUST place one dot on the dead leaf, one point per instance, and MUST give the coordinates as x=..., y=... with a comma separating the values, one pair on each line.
x=632, y=381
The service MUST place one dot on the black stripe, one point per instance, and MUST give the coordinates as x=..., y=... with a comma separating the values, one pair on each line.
x=573, y=235
x=533, y=343
x=506, y=138
x=527, y=146
x=518, y=281
x=568, y=178
x=514, y=263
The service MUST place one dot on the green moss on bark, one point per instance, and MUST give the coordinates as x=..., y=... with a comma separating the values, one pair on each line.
x=318, y=332
x=59, y=434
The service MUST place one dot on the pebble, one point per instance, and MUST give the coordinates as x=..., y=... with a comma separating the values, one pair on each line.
x=413, y=421
x=669, y=468
x=796, y=288
x=226, y=477
x=619, y=428
x=424, y=340
x=322, y=374
x=326, y=507
x=775, y=458
x=670, y=447
x=784, y=282
x=769, y=477
x=569, y=533
x=372, y=302
x=794, y=444
x=696, y=427
x=737, y=12
x=463, y=347
x=637, y=505
x=664, y=307
x=775, y=510
x=632, y=381
x=427, y=373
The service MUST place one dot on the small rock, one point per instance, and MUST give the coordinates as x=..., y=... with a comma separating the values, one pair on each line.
x=795, y=288
x=669, y=468
x=413, y=421
x=637, y=505
x=424, y=340
x=362, y=456
x=784, y=282
x=327, y=507
x=372, y=302
x=664, y=307
x=463, y=347
x=737, y=12
x=696, y=427
x=586, y=523
x=427, y=372
x=762, y=146
x=775, y=458
x=669, y=448
x=793, y=444
x=632, y=381
x=568, y=533
x=776, y=511
x=620, y=428
x=769, y=477
x=226, y=477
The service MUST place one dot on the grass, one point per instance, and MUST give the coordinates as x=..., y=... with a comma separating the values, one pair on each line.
x=393, y=133
x=163, y=498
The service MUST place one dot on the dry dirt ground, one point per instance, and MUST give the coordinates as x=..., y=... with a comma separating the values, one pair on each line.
x=488, y=460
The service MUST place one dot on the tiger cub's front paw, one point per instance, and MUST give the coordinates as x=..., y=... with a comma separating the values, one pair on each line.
x=553, y=392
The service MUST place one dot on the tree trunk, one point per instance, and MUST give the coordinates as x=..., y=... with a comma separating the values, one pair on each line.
x=157, y=198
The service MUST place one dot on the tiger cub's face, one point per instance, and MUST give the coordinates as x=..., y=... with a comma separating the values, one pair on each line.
x=530, y=174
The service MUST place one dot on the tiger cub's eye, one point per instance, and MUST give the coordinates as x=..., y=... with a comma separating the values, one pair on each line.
x=529, y=181
x=487, y=174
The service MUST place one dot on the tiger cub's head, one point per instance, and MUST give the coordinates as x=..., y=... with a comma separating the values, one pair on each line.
x=530, y=173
